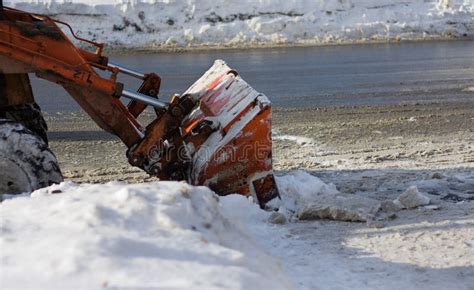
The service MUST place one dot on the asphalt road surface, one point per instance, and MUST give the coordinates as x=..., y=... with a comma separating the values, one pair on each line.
x=377, y=74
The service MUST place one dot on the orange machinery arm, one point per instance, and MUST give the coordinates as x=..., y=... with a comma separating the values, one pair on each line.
x=32, y=43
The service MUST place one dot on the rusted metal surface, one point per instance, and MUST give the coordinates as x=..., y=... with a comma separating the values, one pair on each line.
x=12, y=66
x=17, y=103
x=37, y=28
x=160, y=153
x=15, y=90
x=151, y=87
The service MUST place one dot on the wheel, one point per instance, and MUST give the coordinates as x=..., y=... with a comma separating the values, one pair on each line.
x=30, y=116
x=26, y=163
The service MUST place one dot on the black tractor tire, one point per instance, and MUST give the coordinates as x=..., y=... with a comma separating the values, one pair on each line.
x=30, y=116
x=26, y=163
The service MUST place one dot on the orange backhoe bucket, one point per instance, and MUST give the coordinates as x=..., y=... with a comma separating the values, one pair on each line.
x=236, y=156
x=217, y=134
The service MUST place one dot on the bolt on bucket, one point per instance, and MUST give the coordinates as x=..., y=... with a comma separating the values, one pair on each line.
x=228, y=136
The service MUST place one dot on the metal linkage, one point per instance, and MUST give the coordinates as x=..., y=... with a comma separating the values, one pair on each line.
x=128, y=71
x=144, y=99
x=136, y=96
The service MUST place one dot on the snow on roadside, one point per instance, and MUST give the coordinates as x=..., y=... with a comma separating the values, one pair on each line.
x=165, y=234
x=151, y=24
x=300, y=140
x=172, y=235
x=306, y=197
x=300, y=188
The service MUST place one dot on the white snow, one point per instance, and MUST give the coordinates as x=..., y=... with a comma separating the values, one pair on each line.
x=299, y=188
x=152, y=24
x=300, y=140
x=168, y=235
x=162, y=234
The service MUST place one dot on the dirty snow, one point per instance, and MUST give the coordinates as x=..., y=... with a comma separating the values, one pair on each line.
x=412, y=198
x=172, y=235
x=155, y=24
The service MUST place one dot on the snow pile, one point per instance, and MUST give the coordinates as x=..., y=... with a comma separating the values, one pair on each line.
x=457, y=188
x=310, y=198
x=155, y=24
x=163, y=234
x=170, y=235
x=299, y=188
x=167, y=234
x=412, y=198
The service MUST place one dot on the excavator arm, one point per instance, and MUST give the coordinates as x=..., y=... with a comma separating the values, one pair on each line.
x=216, y=134
x=35, y=44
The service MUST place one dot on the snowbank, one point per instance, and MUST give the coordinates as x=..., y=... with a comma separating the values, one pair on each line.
x=166, y=234
x=162, y=234
x=308, y=198
x=174, y=236
x=154, y=24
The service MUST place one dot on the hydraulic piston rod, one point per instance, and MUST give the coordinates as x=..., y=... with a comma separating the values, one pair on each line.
x=143, y=99
x=128, y=71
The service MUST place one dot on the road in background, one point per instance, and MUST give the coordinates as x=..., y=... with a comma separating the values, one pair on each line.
x=325, y=76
